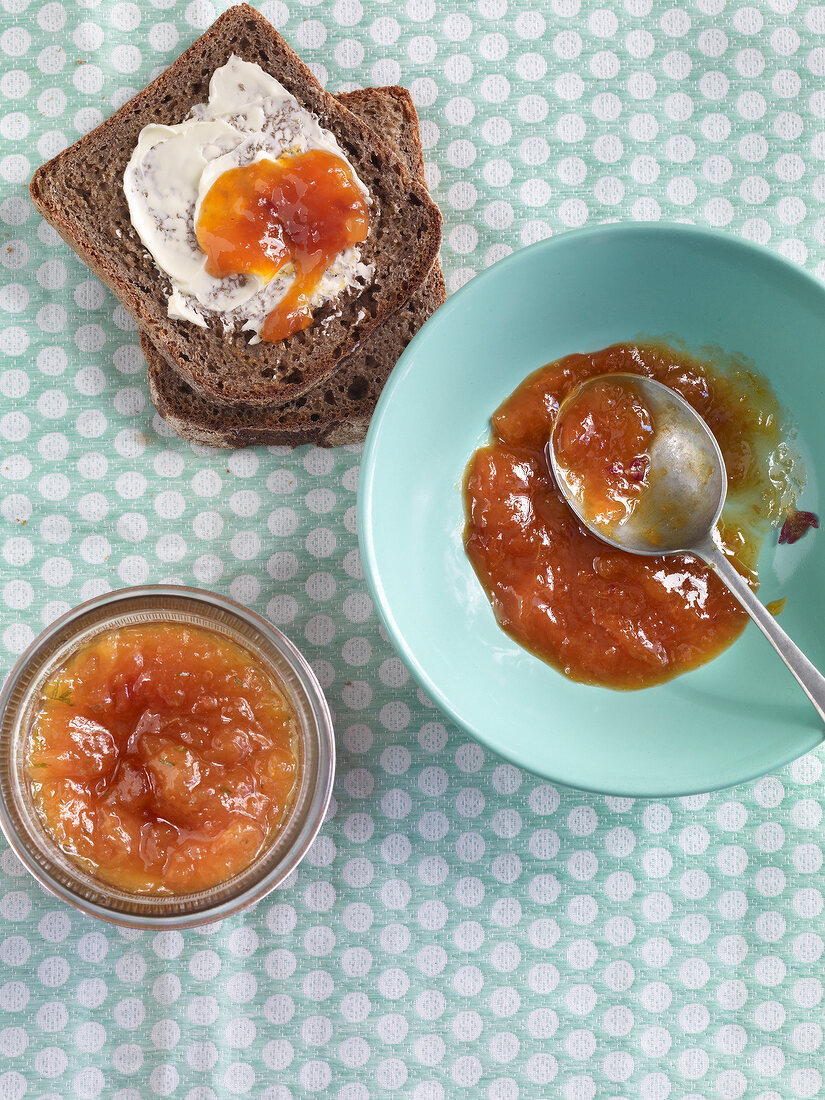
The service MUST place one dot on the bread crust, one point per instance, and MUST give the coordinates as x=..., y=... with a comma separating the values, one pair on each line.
x=330, y=417
x=80, y=193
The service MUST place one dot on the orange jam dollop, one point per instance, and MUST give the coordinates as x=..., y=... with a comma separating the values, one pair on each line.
x=162, y=758
x=601, y=439
x=303, y=209
x=598, y=614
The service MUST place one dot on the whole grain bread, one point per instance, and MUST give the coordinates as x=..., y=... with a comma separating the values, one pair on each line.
x=338, y=410
x=80, y=192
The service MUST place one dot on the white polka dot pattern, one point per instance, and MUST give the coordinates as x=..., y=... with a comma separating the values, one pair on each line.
x=458, y=924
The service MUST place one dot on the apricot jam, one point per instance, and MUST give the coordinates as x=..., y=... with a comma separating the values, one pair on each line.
x=602, y=439
x=301, y=209
x=601, y=615
x=162, y=758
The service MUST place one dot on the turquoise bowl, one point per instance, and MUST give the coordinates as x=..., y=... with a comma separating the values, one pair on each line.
x=737, y=717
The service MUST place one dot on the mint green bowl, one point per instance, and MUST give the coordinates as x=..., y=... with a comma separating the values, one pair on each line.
x=739, y=716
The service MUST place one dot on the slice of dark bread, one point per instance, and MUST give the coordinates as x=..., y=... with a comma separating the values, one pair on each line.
x=80, y=192
x=337, y=411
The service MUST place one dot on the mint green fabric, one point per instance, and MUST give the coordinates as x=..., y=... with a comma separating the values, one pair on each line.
x=460, y=928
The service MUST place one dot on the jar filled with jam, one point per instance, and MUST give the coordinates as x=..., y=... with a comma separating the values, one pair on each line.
x=162, y=757
x=166, y=757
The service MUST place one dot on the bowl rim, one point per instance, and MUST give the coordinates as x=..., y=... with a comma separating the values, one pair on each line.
x=638, y=230
x=320, y=800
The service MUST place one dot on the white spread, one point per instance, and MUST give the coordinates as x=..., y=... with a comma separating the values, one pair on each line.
x=249, y=116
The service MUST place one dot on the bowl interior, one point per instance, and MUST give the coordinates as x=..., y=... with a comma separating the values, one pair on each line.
x=737, y=717
x=191, y=607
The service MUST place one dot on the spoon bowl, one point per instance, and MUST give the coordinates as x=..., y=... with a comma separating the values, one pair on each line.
x=686, y=484
x=679, y=506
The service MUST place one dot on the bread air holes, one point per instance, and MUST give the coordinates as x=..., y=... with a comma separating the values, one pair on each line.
x=294, y=378
x=359, y=386
x=368, y=300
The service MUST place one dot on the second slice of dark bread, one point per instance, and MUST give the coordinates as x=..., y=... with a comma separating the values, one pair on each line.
x=338, y=410
x=80, y=192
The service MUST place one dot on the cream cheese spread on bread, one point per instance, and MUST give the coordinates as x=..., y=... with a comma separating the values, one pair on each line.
x=249, y=116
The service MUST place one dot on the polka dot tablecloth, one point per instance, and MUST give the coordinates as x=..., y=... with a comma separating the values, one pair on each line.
x=460, y=927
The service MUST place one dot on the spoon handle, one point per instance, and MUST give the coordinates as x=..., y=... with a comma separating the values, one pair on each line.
x=809, y=678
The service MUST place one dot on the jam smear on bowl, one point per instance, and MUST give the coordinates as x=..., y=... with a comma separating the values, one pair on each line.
x=303, y=209
x=601, y=615
x=162, y=758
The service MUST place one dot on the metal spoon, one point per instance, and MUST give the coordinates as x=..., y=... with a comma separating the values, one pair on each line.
x=680, y=508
